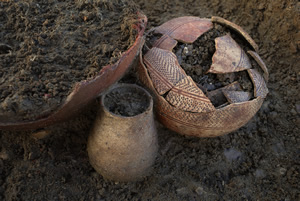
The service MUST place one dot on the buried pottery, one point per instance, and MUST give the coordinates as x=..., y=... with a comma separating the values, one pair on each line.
x=123, y=143
x=64, y=62
x=199, y=90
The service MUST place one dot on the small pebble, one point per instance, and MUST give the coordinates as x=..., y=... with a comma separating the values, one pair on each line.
x=40, y=134
x=259, y=173
x=185, y=51
x=182, y=191
x=293, y=112
x=232, y=154
x=261, y=6
x=273, y=115
x=33, y=155
x=298, y=108
x=210, y=87
x=279, y=148
x=200, y=191
x=282, y=171
x=4, y=155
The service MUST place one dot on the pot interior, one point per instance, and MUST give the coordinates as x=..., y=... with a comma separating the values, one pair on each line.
x=126, y=100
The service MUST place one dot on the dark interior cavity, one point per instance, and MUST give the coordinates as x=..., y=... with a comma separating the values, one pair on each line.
x=127, y=101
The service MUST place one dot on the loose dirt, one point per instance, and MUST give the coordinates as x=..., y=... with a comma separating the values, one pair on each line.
x=260, y=161
x=48, y=46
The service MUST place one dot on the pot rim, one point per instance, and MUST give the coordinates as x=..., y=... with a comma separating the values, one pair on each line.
x=84, y=92
x=149, y=108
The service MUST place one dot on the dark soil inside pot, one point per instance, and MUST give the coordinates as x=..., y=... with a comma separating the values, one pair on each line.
x=196, y=59
x=48, y=46
x=126, y=101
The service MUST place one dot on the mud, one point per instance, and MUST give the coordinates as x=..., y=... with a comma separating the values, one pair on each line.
x=260, y=161
x=44, y=51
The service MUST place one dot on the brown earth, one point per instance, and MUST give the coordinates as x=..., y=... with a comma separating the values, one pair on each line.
x=46, y=47
x=260, y=161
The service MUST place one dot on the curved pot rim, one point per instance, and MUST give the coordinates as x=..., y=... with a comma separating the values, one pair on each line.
x=149, y=108
x=198, y=130
x=87, y=90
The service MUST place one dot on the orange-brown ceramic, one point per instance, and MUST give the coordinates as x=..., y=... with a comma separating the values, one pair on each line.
x=182, y=106
x=229, y=57
x=85, y=91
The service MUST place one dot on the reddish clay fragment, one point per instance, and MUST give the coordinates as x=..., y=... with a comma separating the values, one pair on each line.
x=237, y=29
x=237, y=96
x=185, y=29
x=261, y=63
x=86, y=91
x=188, y=97
x=229, y=56
x=218, y=93
x=260, y=87
x=165, y=42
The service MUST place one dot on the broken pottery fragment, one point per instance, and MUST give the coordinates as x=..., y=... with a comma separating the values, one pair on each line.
x=188, y=97
x=229, y=56
x=237, y=96
x=166, y=43
x=260, y=62
x=164, y=69
x=186, y=29
x=217, y=96
x=189, y=107
x=237, y=28
x=84, y=92
x=260, y=87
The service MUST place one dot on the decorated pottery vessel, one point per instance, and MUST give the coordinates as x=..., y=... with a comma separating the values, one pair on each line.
x=123, y=143
x=185, y=106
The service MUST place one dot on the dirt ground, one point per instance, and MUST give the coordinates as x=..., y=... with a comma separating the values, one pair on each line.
x=260, y=161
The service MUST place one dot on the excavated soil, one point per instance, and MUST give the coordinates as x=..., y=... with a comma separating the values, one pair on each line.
x=260, y=161
x=48, y=46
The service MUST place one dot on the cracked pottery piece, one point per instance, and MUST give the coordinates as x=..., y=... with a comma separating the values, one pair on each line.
x=260, y=86
x=260, y=62
x=188, y=97
x=237, y=28
x=229, y=57
x=85, y=91
x=183, y=106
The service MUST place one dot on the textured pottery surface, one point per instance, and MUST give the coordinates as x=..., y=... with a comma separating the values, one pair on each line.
x=180, y=104
x=123, y=148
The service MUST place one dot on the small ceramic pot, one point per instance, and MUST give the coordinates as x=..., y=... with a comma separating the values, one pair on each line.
x=123, y=143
